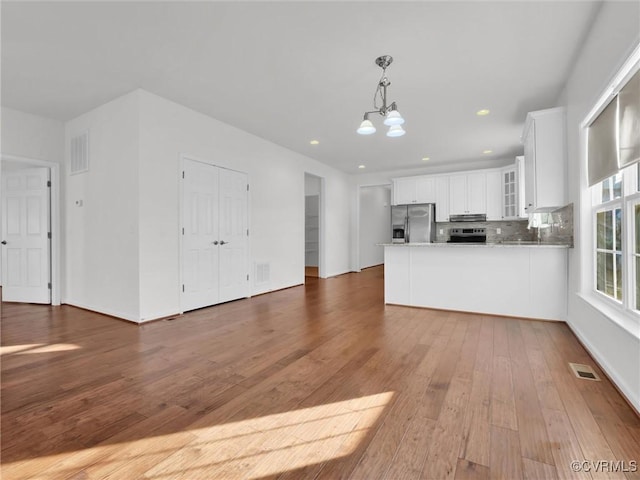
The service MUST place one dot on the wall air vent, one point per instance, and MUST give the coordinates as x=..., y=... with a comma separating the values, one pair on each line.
x=263, y=273
x=79, y=153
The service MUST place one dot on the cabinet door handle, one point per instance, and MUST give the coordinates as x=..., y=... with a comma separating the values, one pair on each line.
x=215, y=242
x=222, y=242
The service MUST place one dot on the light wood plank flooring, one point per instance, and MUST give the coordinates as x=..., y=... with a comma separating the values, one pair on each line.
x=321, y=381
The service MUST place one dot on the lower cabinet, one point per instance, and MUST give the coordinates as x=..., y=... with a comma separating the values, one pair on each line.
x=519, y=281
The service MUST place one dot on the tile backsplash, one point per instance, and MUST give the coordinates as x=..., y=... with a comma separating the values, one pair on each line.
x=558, y=230
x=511, y=230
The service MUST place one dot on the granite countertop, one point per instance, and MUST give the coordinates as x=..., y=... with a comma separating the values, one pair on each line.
x=506, y=244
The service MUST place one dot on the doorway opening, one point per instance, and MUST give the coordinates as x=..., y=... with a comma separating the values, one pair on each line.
x=374, y=224
x=313, y=226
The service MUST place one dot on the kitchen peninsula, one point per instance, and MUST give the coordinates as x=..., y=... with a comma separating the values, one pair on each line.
x=520, y=279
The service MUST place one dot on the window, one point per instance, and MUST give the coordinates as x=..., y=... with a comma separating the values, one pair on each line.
x=613, y=168
x=636, y=252
x=616, y=214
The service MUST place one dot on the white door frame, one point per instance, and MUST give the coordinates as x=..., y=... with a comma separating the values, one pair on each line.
x=183, y=157
x=356, y=244
x=322, y=268
x=54, y=169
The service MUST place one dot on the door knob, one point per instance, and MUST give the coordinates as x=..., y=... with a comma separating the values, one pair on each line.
x=3, y=242
x=215, y=242
x=222, y=242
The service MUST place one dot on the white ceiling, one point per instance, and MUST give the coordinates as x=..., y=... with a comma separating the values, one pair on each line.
x=293, y=71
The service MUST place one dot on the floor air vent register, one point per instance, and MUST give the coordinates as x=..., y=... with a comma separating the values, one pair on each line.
x=584, y=371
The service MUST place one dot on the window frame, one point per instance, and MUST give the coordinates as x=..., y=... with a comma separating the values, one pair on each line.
x=630, y=196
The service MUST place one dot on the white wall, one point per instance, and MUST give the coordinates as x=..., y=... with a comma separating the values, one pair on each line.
x=615, y=32
x=102, y=235
x=31, y=136
x=375, y=224
x=277, y=180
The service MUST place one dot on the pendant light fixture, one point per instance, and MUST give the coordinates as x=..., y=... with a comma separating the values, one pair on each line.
x=392, y=119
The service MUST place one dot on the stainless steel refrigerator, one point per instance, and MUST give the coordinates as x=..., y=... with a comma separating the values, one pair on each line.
x=413, y=223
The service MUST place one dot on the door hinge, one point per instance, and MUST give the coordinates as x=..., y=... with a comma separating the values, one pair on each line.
x=49, y=285
x=247, y=277
x=183, y=230
x=48, y=183
x=247, y=187
x=49, y=235
x=183, y=287
x=183, y=174
x=247, y=232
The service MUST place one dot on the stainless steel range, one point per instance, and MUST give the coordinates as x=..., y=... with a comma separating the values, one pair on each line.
x=467, y=235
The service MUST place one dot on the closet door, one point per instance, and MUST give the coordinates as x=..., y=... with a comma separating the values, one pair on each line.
x=200, y=235
x=234, y=279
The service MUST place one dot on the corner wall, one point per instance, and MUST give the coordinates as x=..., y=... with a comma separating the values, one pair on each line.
x=615, y=32
x=101, y=205
x=276, y=201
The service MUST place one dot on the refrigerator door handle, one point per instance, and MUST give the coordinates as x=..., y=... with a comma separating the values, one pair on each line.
x=406, y=229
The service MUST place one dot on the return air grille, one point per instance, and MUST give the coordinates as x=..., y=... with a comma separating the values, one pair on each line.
x=263, y=273
x=584, y=372
x=79, y=161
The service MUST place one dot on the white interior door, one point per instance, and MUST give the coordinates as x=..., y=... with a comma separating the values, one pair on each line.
x=234, y=280
x=200, y=249
x=26, y=251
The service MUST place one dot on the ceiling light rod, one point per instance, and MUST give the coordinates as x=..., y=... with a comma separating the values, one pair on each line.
x=393, y=119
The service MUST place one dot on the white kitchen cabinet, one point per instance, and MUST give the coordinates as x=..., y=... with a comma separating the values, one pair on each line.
x=408, y=190
x=517, y=281
x=494, y=195
x=468, y=193
x=442, y=198
x=544, y=157
x=509, y=193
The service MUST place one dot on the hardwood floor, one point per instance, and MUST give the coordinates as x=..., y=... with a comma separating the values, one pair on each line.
x=321, y=381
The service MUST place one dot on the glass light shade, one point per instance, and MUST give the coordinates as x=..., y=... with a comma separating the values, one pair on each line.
x=395, y=131
x=393, y=118
x=366, y=128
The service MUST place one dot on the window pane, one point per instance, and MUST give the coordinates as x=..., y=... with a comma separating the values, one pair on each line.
x=619, y=276
x=637, y=220
x=606, y=190
x=617, y=185
x=605, y=230
x=600, y=230
x=605, y=273
x=637, y=283
x=600, y=277
x=618, y=228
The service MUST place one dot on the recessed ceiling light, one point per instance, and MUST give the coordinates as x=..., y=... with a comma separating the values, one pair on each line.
x=314, y=142
x=487, y=151
x=361, y=166
x=424, y=159
x=483, y=112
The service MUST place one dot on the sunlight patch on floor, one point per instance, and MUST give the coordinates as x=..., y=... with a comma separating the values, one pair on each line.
x=251, y=448
x=37, y=348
